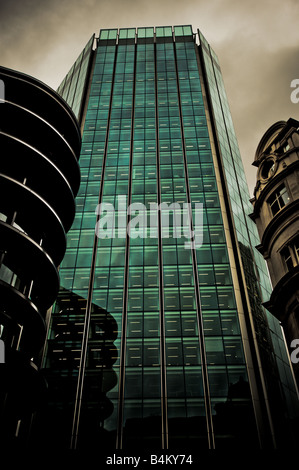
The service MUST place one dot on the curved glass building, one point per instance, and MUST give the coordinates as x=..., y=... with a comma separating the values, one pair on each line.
x=39, y=178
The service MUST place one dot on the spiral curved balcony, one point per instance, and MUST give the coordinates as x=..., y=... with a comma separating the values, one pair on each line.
x=39, y=179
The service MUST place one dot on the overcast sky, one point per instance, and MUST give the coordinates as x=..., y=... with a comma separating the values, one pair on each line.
x=257, y=43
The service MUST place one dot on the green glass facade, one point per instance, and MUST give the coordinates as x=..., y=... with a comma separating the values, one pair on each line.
x=73, y=85
x=150, y=342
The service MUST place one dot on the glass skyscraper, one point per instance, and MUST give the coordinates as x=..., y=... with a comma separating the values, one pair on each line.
x=151, y=342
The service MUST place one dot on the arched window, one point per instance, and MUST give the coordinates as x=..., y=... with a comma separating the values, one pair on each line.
x=278, y=199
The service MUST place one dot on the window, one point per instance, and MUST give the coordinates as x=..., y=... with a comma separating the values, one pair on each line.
x=290, y=254
x=268, y=169
x=278, y=199
x=287, y=258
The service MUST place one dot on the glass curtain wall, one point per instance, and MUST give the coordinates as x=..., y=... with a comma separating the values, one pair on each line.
x=72, y=87
x=149, y=341
x=272, y=349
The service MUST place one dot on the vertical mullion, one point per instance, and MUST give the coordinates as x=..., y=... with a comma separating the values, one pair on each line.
x=161, y=286
x=84, y=344
x=196, y=281
x=77, y=80
x=119, y=437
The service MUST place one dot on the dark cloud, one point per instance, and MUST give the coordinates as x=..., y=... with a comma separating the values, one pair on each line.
x=258, y=87
x=256, y=42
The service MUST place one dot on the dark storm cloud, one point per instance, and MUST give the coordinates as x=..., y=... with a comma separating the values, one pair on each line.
x=36, y=34
x=256, y=42
x=31, y=29
x=257, y=80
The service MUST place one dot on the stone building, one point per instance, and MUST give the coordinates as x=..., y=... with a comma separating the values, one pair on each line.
x=276, y=214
